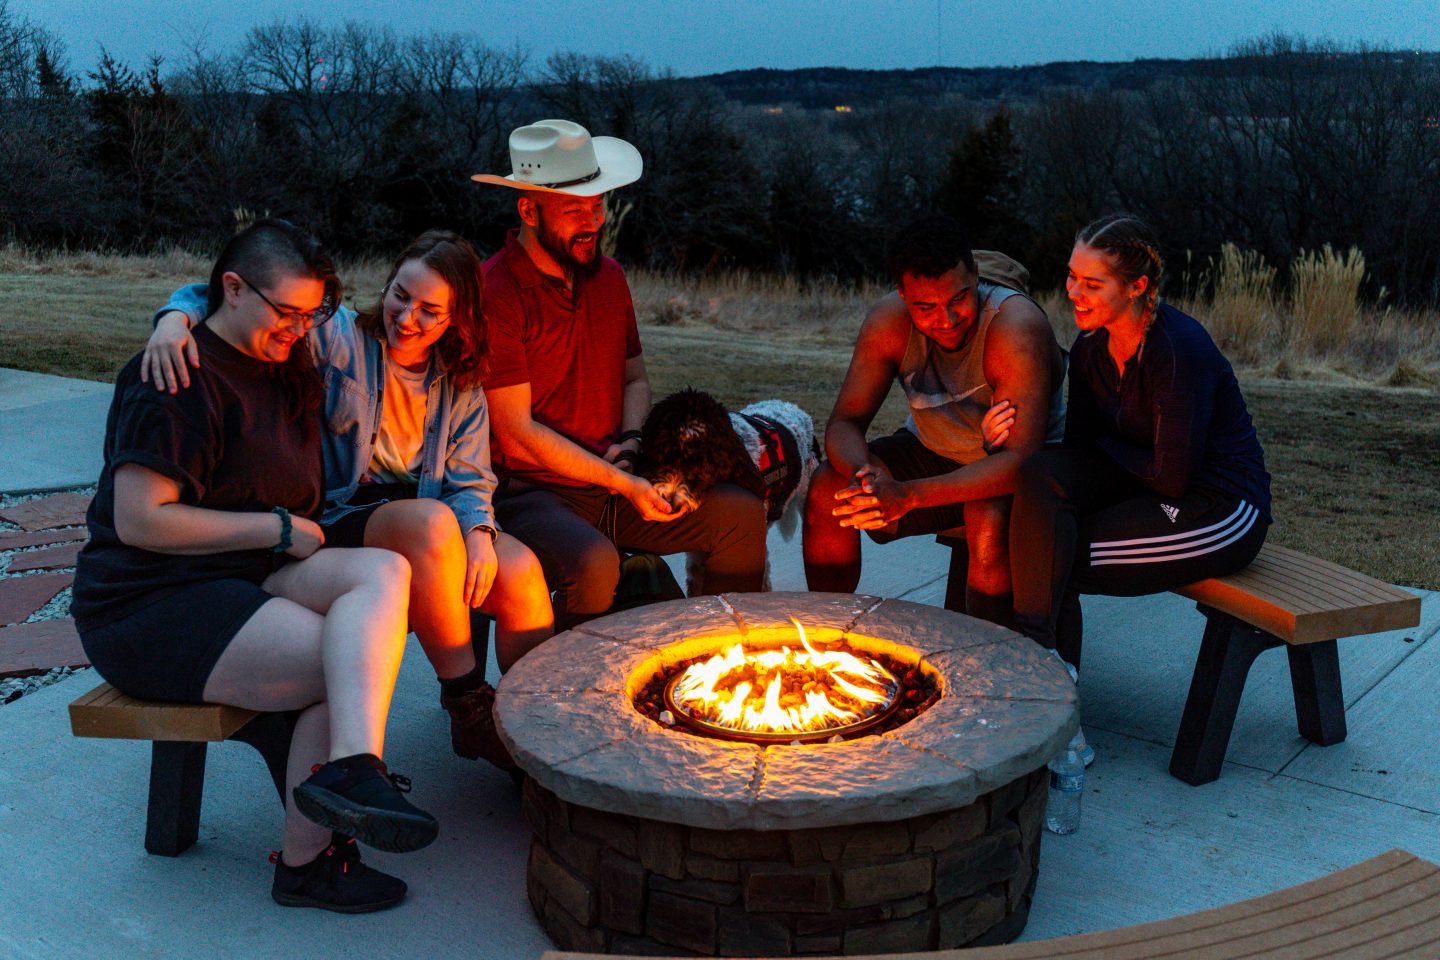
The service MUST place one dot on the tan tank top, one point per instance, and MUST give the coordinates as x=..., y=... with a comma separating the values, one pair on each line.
x=947, y=391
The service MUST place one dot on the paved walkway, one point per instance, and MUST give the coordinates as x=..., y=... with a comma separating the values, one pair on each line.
x=78, y=882
x=51, y=430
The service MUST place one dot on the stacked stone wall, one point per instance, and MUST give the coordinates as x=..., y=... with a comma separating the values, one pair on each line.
x=605, y=882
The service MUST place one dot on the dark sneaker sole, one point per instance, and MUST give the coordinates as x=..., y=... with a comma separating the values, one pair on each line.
x=382, y=829
x=296, y=900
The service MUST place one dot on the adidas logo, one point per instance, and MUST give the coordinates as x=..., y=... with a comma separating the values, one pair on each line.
x=1171, y=512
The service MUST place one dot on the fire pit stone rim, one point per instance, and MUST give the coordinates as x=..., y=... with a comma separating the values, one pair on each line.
x=646, y=770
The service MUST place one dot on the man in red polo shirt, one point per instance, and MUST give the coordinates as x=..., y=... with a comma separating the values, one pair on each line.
x=568, y=391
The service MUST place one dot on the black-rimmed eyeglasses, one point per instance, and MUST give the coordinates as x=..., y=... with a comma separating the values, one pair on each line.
x=306, y=319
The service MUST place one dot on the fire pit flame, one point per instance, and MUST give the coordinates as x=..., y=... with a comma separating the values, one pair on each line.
x=781, y=693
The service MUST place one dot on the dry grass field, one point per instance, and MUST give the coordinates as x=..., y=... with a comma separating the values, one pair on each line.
x=1355, y=458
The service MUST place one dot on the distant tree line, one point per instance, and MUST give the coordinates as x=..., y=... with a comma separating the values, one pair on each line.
x=368, y=137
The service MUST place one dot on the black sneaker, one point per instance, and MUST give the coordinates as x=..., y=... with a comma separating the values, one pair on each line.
x=472, y=727
x=358, y=797
x=335, y=880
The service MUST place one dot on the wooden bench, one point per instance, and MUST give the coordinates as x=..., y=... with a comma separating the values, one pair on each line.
x=1385, y=907
x=1283, y=598
x=181, y=733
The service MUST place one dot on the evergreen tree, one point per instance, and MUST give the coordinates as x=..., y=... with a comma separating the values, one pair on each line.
x=981, y=184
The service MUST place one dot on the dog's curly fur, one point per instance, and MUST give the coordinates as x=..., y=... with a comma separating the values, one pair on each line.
x=688, y=445
x=690, y=442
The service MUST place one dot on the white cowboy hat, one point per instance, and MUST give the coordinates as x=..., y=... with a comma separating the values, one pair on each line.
x=557, y=156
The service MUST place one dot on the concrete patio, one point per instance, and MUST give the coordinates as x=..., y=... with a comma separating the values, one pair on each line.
x=77, y=881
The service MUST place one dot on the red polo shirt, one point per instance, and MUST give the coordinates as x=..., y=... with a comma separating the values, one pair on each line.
x=569, y=344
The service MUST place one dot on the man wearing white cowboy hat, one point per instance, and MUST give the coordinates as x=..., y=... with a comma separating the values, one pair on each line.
x=568, y=391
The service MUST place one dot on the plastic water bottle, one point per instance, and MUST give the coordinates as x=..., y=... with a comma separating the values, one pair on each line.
x=1067, y=786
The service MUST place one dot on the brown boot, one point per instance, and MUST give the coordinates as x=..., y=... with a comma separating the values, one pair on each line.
x=472, y=726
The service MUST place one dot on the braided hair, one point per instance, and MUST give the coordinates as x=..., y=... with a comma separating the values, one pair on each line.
x=1133, y=248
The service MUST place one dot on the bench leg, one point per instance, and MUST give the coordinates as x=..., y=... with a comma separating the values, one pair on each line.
x=959, y=574
x=177, y=782
x=1229, y=648
x=1319, y=702
x=270, y=734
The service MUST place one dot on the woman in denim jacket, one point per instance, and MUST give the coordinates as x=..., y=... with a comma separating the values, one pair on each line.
x=407, y=463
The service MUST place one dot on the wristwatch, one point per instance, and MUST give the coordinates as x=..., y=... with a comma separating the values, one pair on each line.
x=488, y=529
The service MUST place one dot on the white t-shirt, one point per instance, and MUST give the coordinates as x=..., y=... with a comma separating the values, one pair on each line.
x=396, y=457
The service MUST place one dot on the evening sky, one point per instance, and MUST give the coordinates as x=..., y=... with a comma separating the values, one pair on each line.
x=709, y=36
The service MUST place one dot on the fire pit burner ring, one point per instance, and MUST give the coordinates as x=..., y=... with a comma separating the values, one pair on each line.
x=790, y=693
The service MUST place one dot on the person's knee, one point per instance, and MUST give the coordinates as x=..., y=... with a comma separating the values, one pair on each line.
x=429, y=528
x=522, y=577
x=384, y=570
x=820, y=497
x=987, y=538
x=737, y=507
x=1036, y=478
x=735, y=519
x=589, y=576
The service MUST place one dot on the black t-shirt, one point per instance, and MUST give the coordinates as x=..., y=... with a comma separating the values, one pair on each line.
x=225, y=439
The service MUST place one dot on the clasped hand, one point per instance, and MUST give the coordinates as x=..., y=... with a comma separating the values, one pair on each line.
x=873, y=499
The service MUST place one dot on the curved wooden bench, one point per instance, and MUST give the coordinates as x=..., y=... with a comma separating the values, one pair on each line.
x=1386, y=907
x=181, y=733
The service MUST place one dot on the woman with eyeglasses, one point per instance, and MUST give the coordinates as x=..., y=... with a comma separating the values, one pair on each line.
x=407, y=463
x=203, y=581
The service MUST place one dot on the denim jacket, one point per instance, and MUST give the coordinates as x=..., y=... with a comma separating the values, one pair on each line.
x=455, y=454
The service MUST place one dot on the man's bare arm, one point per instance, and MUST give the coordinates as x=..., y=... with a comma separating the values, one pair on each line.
x=876, y=360
x=1022, y=363
x=533, y=442
x=634, y=408
x=635, y=405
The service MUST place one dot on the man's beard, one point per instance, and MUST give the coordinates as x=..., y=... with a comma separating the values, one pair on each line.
x=562, y=253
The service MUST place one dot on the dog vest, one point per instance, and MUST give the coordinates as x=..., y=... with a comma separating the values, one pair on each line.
x=779, y=465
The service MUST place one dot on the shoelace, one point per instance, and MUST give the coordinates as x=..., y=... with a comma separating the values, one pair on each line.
x=397, y=780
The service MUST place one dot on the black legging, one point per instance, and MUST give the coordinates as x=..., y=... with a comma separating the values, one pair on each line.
x=1079, y=519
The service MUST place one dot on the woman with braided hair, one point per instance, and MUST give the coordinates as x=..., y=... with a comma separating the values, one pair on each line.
x=1161, y=480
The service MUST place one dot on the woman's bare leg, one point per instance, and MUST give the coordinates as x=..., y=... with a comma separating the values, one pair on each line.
x=426, y=533
x=329, y=645
x=519, y=601
x=362, y=594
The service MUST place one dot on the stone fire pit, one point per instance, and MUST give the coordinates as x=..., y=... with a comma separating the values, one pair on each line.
x=651, y=839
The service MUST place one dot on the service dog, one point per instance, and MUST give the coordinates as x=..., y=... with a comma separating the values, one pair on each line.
x=690, y=442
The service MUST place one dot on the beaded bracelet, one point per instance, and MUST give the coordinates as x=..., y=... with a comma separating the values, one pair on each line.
x=285, y=529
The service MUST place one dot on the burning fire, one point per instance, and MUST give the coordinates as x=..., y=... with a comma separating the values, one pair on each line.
x=784, y=691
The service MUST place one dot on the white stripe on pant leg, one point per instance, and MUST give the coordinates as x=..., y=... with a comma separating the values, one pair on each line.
x=1194, y=540
x=1180, y=556
x=1172, y=536
x=1244, y=520
x=1171, y=549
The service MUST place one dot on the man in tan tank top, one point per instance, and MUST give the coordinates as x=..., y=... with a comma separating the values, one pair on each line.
x=957, y=343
